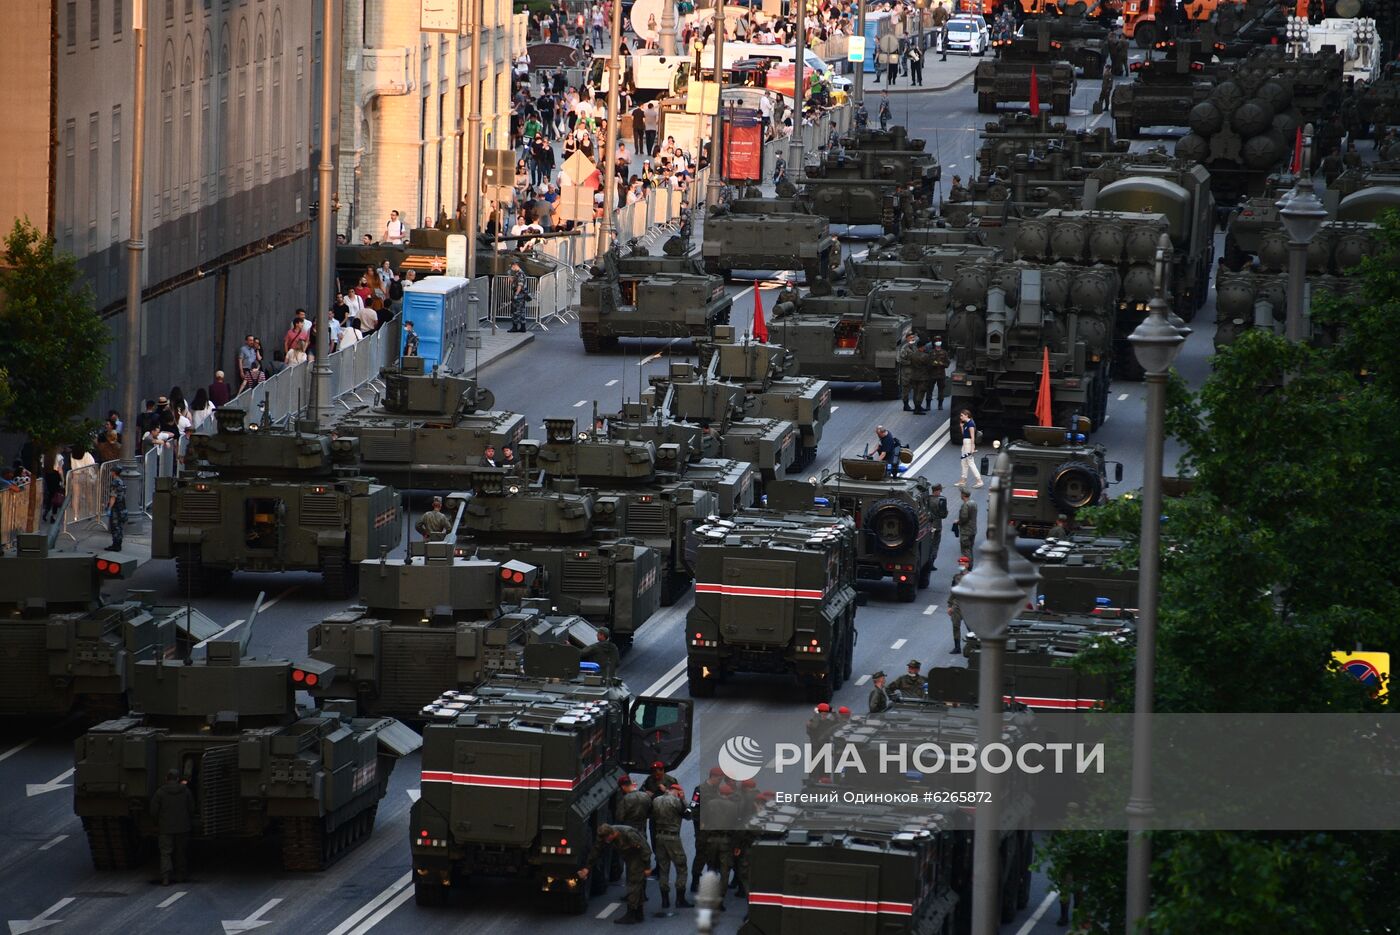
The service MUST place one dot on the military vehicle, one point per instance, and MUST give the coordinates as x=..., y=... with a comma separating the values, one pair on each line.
x=62, y=647
x=753, y=233
x=842, y=337
x=1337, y=247
x=774, y=593
x=894, y=518
x=681, y=449
x=1163, y=91
x=258, y=764
x=588, y=569
x=518, y=775
x=1008, y=77
x=1011, y=317
x=872, y=177
x=425, y=254
x=1248, y=300
x=642, y=296
x=266, y=499
x=1083, y=41
x=884, y=262
x=429, y=431
x=1055, y=472
x=768, y=373
x=1058, y=150
x=1081, y=574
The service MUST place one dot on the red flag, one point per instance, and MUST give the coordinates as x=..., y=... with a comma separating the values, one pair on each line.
x=1035, y=94
x=1298, y=152
x=1042, y=402
x=760, y=327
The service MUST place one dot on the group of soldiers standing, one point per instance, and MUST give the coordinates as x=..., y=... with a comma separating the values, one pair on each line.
x=922, y=369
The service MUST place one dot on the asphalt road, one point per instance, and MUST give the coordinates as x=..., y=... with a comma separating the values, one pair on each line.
x=47, y=880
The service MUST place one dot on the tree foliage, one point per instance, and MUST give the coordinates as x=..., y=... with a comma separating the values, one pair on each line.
x=53, y=344
x=1281, y=553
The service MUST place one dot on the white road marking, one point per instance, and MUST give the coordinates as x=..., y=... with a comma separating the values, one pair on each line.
x=611, y=383
x=16, y=748
x=611, y=908
x=1122, y=396
x=833, y=408
x=925, y=453
x=928, y=611
x=238, y=623
x=1044, y=907
x=253, y=921
x=171, y=901
x=42, y=920
x=55, y=842
x=581, y=402
x=384, y=911
x=53, y=785
x=389, y=893
x=665, y=680
x=862, y=680
x=898, y=644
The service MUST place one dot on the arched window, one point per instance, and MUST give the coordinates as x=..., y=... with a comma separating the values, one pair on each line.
x=167, y=132
x=224, y=146
x=187, y=122
x=260, y=156
x=275, y=118
x=209, y=150
x=242, y=138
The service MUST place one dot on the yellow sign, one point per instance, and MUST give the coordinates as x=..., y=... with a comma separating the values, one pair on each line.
x=702, y=97
x=1372, y=669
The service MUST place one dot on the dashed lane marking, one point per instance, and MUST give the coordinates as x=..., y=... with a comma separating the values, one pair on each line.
x=1122, y=396
x=609, y=910
x=898, y=644
x=55, y=842
x=171, y=900
x=862, y=680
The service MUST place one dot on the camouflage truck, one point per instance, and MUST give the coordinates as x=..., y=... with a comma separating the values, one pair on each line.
x=774, y=593
x=567, y=533
x=768, y=374
x=1162, y=91
x=1008, y=77
x=641, y=296
x=1010, y=316
x=429, y=430
x=518, y=775
x=1082, y=575
x=842, y=337
x=263, y=499
x=258, y=764
x=895, y=519
x=63, y=647
x=749, y=234
x=1055, y=472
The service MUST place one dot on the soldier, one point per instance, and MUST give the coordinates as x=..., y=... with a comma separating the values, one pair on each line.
x=940, y=513
x=668, y=810
x=488, y=457
x=747, y=798
x=911, y=684
x=633, y=807
x=959, y=191
x=886, y=116
x=172, y=807
x=879, y=698
x=908, y=362
x=916, y=65
x=1105, y=90
x=519, y=295
x=954, y=612
x=1118, y=53
x=820, y=726
x=862, y=116
x=116, y=508
x=720, y=816
x=410, y=337
x=701, y=797
x=966, y=526
x=630, y=844
x=1061, y=528
x=434, y=526
x=657, y=783
x=887, y=449
x=935, y=373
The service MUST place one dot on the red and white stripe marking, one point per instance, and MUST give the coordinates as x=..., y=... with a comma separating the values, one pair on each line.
x=734, y=590
x=823, y=904
x=496, y=782
x=1024, y=493
x=1072, y=704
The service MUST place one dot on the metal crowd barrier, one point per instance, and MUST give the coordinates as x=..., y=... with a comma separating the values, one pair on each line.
x=14, y=515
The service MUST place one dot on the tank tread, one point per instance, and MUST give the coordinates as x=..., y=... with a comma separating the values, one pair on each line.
x=113, y=842
x=189, y=571
x=308, y=846
x=588, y=332
x=336, y=575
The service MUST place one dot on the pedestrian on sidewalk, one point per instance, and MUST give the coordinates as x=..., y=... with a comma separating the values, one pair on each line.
x=916, y=65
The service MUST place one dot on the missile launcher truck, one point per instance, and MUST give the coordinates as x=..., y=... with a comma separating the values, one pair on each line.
x=518, y=775
x=257, y=763
x=768, y=234
x=265, y=499
x=62, y=647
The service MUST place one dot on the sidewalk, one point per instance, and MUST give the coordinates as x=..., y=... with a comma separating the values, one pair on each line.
x=938, y=76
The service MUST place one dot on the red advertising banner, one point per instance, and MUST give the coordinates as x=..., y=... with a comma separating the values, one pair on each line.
x=743, y=145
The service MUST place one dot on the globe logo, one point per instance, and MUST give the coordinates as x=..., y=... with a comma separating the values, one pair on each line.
x=741, y=758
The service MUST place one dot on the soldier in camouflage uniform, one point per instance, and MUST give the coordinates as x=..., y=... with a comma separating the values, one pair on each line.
x=821, y=726
x=631, y=807
x=747, y=798
x=668, y=811
x=906, y=362
x=954, y=612
x=721, y=817
x=940, y=513
x=631, y=845
x=935, y=375
x=911, y=684
x=657, y=783
x=707, y=790
x=519, y=295
x=967, y=524
x=879, y=698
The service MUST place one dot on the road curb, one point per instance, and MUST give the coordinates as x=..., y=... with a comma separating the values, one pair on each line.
x=495, y=355
x=916, y=90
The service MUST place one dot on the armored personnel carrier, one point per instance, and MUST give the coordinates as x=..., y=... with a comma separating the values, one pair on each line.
x=1081, y=575
x=265, y=499
x=567, y=532
x=681, y=454
x=518, y=775
x=1008, y=77
x=768, y=374
x=1057, y=473
x=884, y=262
x=842, y=337
x=258, y=765
x=775, y=594
x=429, y=430
x=1057, y=149
x=754, y=234
x=894, y=519
x=873, y=177
x=62, y=647
x=644, y=296
x=1163, y=91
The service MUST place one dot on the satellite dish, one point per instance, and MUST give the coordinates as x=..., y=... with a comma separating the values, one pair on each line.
x=1347, y=9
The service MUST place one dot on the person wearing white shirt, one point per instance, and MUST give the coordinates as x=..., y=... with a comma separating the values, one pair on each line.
x=354, y=303
x=349, y=334
x=369, y=319
x=395, y=232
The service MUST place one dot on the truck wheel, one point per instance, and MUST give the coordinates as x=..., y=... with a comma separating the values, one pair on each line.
x=1126, y=366
x=575, y=902
x=189, y=571
x=1060, y=106
x=1074, y=485
x=889, y=387
x=335, y=574
x=674, y=584
x=906, y=591
x=986, y=102
x=113, y=841
x=1145, y=35
x=431, y=894
x=818, y=690
x=700, y=687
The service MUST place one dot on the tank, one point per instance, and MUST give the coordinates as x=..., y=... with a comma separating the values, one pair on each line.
x=428, y=430
x=266, y=499
x=545, y=748
x=1007, y=78
x=1167, y=92
x=257, y=764
x=63, y=646
x=774, y=594
x=895, y=519
x=642, y=296
x=768, y=374
x=872, y=177
x=1083, y=575
x=1042, y=149
x=569, y=533
x=1057, y=473
x=842, y=337
x=743, y=235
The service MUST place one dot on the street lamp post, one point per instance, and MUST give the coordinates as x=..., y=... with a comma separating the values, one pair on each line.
x=989, y=597
x=321, y=387
x=135, y=246
x=475, y=19
x=668, y=27
x=1156, y=342
x=860, y=66
x=1302, y=214
x=712, y=191
x=607, y=229
x=795, y=155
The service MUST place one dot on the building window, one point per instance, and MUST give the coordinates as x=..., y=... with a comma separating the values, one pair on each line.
x=117, y=19
x=189, y=9
x=71, y=21
x=92, y=183
x=167, y=138
x=169, y=10
x=95, y=21
x=116, y=186
x=70, y=181
x=301, y=106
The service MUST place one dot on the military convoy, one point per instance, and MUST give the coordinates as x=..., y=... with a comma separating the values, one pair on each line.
x=428, y=432
x=518, y=775
x=62, y=647
x=644, y=296
x=774, y=593
x=267, y=499
x=842, y=337
x=872, y=177
x=1008, y=77
x=1163, y=91
x=256, y=763
x=754, y=233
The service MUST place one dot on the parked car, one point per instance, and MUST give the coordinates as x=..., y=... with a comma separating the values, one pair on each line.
x=968, y=34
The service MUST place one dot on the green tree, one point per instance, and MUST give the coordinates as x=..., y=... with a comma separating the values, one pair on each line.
x=52, y=341
x=1281, y=553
